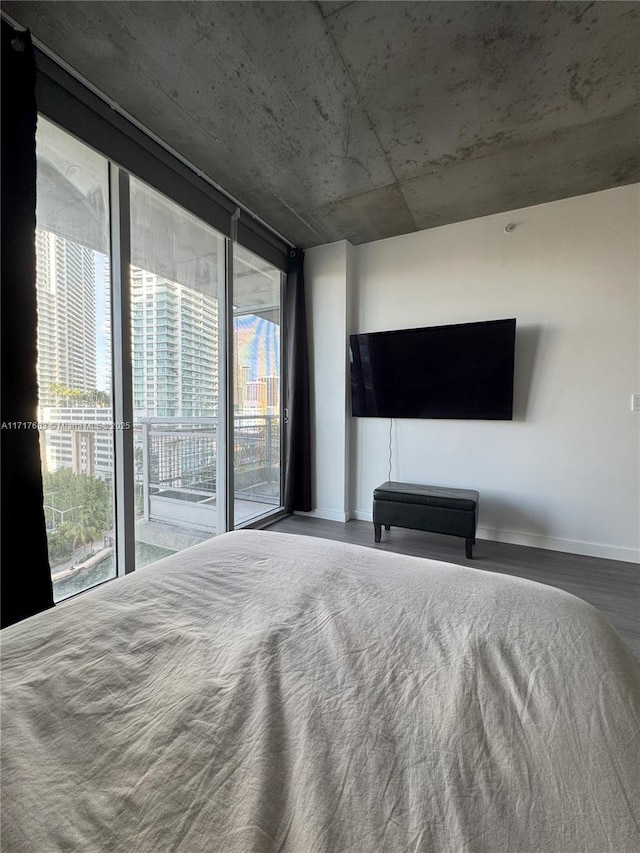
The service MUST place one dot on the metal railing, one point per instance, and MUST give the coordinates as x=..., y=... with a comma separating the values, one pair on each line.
x=178, y=457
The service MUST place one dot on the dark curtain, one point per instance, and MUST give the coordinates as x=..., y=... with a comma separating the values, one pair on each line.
x=297, y=462
x=25, y=574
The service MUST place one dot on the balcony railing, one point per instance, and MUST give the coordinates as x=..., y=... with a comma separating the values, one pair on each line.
x=177, y=462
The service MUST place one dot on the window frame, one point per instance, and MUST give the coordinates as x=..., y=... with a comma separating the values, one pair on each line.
x=85, y=114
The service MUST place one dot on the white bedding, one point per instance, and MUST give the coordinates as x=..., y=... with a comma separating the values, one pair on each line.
x=272, y=692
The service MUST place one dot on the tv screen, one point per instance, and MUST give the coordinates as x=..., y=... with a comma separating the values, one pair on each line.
x=457, y=371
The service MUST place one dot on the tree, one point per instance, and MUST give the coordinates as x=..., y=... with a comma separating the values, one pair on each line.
x=58, y=390
x=86, y=530
x=75, y=396
x=80, y=506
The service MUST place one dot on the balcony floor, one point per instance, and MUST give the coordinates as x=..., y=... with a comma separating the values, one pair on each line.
x=176, y=537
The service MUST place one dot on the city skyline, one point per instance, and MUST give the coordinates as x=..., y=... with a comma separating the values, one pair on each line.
x=174, y=353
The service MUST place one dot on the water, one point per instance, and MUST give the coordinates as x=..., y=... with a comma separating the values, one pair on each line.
x=86, y=578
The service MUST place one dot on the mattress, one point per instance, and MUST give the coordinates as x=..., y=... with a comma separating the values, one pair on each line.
x=271, y=692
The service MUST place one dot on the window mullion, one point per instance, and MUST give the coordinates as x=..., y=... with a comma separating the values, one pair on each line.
x=120, y=248
x=284, y=401
x=226, y=414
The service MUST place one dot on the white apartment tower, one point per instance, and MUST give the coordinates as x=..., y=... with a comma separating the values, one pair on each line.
x=67, y=357
x=66, y=292
x=175, y=348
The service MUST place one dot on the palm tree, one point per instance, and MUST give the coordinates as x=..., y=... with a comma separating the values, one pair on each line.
x=85, y=530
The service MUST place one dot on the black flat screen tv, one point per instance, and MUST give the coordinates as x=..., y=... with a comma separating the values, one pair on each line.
x=461, y=371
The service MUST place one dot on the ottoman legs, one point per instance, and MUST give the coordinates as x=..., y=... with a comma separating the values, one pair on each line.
x=378, y=531
x=468, y=543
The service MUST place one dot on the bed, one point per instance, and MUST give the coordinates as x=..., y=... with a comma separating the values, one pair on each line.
x=272, y=692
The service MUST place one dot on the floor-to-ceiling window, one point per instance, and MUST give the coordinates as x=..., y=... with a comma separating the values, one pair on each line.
x=201, y=382
x=74, y=359
x=177, y=286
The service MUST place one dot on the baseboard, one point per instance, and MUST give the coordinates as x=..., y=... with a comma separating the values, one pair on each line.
x=361, y=515
x=569, y=546
x=326, y=514
x=548, y=543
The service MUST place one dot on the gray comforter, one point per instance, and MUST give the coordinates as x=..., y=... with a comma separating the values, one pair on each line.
x=271, y=692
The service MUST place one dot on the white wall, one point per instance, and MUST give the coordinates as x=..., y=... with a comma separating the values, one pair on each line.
x=565, y=473
x=328, y=272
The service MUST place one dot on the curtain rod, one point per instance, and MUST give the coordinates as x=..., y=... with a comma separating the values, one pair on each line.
x=141, y=127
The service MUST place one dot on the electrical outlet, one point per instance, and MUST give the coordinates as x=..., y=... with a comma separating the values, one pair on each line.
x=635, y=402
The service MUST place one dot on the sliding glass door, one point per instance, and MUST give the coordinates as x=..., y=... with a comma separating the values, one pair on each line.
x=257, y=341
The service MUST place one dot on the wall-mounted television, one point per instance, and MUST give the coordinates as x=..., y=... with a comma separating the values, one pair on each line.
x=461, y=371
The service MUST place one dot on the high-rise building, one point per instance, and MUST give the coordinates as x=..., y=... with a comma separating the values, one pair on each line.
x=175, y=348
x=104, y=351
x=256, y=399
x=242, y=377
x=272, y=384
x=66, y=292
x=67, y=359
x=261, y=396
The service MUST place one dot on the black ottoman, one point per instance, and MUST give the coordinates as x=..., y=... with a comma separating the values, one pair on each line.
x=434, y=509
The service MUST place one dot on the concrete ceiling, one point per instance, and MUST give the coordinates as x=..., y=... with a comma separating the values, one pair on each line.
x=365, y=120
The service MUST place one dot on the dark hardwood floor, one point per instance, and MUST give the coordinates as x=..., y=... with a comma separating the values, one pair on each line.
x=612, y=586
